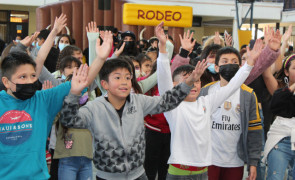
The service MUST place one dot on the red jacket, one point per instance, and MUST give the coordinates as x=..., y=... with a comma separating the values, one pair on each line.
x=156, y=122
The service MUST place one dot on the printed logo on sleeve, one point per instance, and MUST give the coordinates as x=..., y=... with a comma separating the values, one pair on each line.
x=15, y=127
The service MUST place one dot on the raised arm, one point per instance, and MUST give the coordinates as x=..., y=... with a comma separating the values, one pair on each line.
x=268, y=56
x=71, y=115
x=163, y=63
x=270, y=81
x=59, y=24
x=275, y=67
x=186, y=46
x=102, y=52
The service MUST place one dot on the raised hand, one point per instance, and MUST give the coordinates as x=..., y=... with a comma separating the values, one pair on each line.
x=159, y=31
x=217, y=38
x=267, y=34
x=27, y=41
x=120, y=50
x=287, y=34
x=103, y=51
x=59, y=23
x=275, y=40
x=47, y=85
x=228, y=39
x=253, y=54
x=186, y=41
x=79, y=80
x=92, y=27
x=197, y=73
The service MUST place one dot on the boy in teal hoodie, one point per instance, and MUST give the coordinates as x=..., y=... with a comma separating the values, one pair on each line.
x=26, y=116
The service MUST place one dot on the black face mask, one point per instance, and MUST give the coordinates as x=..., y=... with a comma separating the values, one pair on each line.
x=128, y=45
x=228, y=71
x=26, y=91
x=141, y=46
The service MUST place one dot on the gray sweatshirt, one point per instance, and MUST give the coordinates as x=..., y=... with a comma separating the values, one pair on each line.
x=119, y=143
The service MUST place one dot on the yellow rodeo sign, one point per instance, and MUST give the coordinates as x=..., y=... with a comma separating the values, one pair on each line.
x=152, y=15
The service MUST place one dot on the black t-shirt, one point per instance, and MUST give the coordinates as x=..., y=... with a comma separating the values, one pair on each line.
x=263, y=97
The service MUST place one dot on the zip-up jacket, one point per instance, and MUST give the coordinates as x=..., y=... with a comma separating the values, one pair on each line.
x=250, y=142
x=119, y=143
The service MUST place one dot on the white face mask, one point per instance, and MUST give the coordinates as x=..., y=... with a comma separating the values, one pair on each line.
x=143, y=74
x=61, y=46
x=137, y=73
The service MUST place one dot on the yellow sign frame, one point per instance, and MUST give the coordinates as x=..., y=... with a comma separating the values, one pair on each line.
x=152, y=15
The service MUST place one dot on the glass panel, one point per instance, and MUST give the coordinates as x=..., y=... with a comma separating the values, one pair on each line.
x=3, y=16
x=3, y=32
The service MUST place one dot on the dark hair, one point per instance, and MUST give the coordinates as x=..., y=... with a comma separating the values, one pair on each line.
x=244, y=46
x=170, y=37
x=67, y=61
x=281, y=74
x=154, y=89
x=115, y=30
x=43, y=34
x=134, y=82
x=186, y=69
x=67, y=51
x=64, y=35
x=212, y=48
x=194, y=61
x=227, y=50
x=112, y=65
x=13, y=60
x=136, y=59
x=141, y=58
x=242, y=52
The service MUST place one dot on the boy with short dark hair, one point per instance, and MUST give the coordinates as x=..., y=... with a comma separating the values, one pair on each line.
x=189, y=123
x=26, y=116
x=116, y=121
x=236, y=126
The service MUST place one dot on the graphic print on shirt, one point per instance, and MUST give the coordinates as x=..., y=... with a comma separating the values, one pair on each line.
x=15, y=127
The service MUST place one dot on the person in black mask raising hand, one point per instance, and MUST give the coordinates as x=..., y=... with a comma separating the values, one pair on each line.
x=130, y=48
x=236, y=129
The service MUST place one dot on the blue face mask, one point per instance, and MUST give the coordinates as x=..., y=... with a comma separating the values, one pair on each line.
x=63, y=77
x=33, y=43
x=211, y=68
x=61, y=46
x=37, y=46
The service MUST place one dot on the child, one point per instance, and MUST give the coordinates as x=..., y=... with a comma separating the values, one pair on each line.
x=236, y=125
x=145, y=65
x=26, y=117
x=116, y=122
x=190, y=122
x=278, y=148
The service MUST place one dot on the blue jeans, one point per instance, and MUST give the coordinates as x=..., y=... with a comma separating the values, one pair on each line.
x=72, y=168
x=279, y=158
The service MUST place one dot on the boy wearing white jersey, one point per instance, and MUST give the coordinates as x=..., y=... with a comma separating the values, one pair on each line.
x=190, y=122
x=236, y=129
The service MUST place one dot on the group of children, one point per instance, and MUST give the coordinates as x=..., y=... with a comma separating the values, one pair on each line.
x=183, y=128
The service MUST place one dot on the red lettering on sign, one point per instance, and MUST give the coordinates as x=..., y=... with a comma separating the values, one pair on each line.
x=173, y=17
x=168, y=15
x=140, y=14
x=159, y=13
x=147, y=15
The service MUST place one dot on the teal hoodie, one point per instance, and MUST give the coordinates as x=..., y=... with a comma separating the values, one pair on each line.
x=24, y=128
